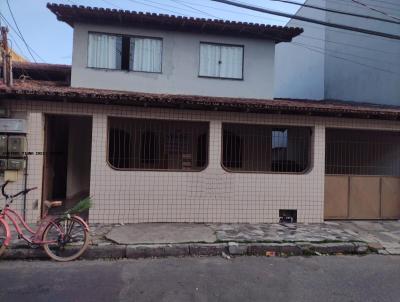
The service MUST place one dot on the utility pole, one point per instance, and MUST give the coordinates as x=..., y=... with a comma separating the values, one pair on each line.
x=6, y=57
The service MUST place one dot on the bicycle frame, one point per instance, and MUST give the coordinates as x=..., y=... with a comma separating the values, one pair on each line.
x=16, y=218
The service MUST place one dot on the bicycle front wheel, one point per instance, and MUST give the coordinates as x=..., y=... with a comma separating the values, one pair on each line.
x=65, y=239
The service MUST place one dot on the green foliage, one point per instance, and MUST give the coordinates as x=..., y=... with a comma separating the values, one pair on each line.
x=81, y=206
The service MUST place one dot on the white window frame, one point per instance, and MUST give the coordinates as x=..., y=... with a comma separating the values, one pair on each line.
x=132, y=54
x=89, y=63
x=218, y=75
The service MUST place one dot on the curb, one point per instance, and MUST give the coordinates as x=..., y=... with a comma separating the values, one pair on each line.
x=112, y=251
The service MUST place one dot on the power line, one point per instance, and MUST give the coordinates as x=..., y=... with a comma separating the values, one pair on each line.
x=332, y=53
x=190, y=10
x=235, y=12
x=375, y=10
x=18, y=35
x=14, y=42
x=336, y=11
x=349, y=44
x=22, y=37
x=328, y=24
x=323, y=52
x=356, y=56
x=159, y=7
x=112, y=4
x=357, y=6
x=306, y=26
x=193, y=8
x=388, y=2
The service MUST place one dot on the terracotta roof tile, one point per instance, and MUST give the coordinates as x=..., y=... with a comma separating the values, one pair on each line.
x=84, y=14
x=57, y=91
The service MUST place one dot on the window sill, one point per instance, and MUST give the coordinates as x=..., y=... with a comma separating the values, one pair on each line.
x=123, y=70
x=221, y=78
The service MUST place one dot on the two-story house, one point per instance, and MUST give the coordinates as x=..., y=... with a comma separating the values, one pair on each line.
x=173, y=119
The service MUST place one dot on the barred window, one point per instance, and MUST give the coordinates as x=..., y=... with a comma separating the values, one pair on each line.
x=362, y=152
x=264, y=148
x=145, y=144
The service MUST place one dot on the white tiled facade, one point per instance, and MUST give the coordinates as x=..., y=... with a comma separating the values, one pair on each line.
x=212, y=195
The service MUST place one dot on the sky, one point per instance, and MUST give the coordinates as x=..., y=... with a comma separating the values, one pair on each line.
x=51, y=41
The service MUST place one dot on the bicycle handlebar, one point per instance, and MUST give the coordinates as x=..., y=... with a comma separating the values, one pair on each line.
x=24, y=192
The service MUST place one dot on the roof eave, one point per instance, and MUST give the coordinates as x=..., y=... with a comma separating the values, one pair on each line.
x=179, y=103
x=73, y=14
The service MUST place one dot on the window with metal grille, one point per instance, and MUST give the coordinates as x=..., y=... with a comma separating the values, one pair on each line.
x=221, y=61
x=265, y=148
x=144, y=144
x=362, y=152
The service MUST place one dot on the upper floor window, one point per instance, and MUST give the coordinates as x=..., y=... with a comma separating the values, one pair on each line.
x=221, y=61
x=145, y=54
x=105, y=51
x=124, y=53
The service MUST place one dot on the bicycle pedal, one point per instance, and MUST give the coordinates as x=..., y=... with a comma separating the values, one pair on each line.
x=34, y=246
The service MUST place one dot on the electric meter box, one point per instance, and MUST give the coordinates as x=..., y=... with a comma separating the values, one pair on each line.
x=15, y=164
x=11, y=125
x=16, y=145
x=3, y=164
x=3, y=145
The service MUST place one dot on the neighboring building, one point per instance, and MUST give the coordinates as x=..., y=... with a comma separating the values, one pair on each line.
x=15, y=57
x=172, y=119
x=333, y=64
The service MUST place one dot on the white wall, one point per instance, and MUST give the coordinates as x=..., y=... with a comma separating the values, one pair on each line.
x=342, y=65
x=180, y=66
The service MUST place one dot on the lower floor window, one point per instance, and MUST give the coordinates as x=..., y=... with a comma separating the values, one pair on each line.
x=264, y=148
x=144, y=144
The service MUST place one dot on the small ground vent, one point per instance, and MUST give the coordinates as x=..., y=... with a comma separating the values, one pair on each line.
x=287, y=216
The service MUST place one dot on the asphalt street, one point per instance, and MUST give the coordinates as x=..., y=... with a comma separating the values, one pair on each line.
x=324, y=278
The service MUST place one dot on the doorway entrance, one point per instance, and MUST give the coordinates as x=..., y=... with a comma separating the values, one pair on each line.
x=67, y=156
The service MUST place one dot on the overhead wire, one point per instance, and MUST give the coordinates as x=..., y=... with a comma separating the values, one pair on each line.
x=333, y=53
x=18, y=35
x=21, y=35
x=193, y=8
x=234, y=12
x=336, y=11
x=323, y=52
x=350, y=4
x=376, y=10
x=310, y=20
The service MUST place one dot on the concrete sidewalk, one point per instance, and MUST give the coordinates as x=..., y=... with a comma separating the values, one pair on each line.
x=180, y=239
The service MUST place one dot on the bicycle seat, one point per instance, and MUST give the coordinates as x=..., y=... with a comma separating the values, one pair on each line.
x=52, y=204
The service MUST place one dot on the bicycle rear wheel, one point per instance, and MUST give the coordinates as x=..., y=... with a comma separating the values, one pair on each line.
x=3, y=237
x=66, y=239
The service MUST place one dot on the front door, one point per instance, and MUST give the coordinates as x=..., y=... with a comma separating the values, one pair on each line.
x=67, y=159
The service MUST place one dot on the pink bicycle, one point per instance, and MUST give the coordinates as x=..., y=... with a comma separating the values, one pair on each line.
x=64, y=237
